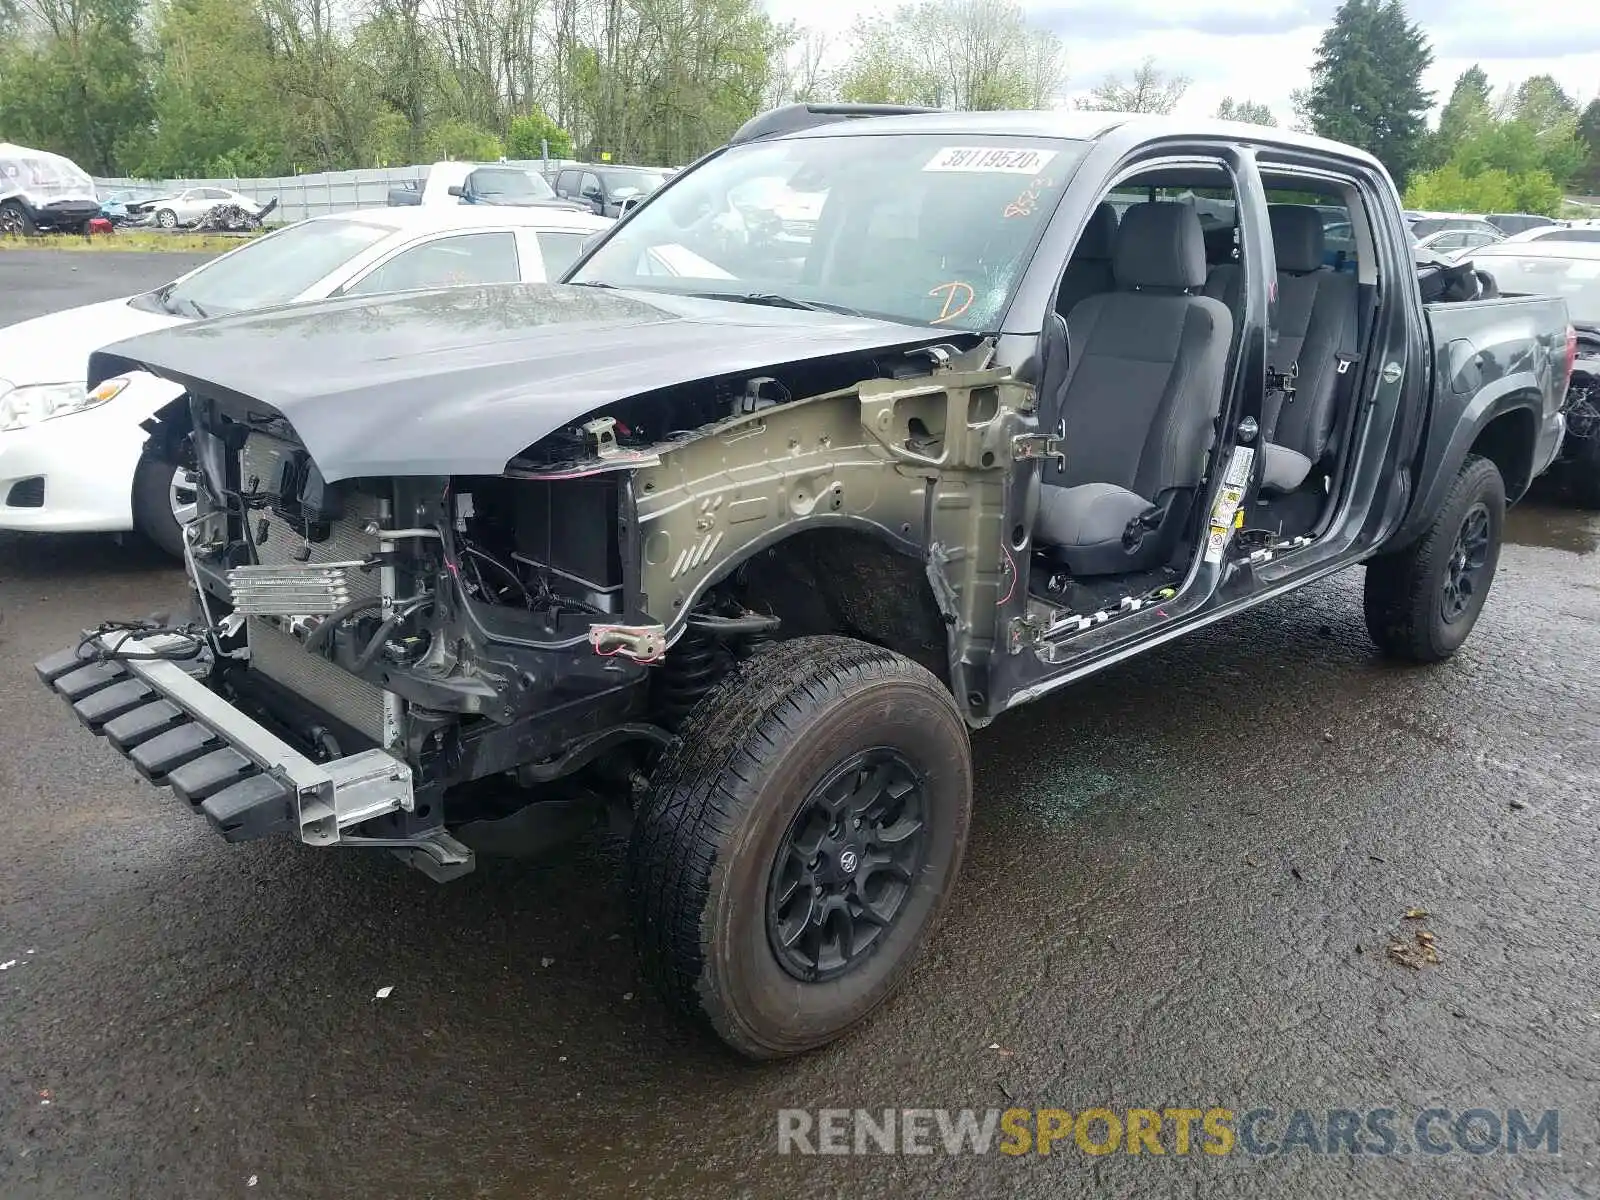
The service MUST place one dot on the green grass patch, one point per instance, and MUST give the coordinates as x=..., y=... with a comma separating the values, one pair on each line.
x=143, y=240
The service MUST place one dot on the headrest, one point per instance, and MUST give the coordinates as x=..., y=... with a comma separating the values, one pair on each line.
x=1160, y=245
x=1297, y=238
x=1099, y=235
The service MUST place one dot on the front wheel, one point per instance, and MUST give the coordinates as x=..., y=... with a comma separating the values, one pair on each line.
x=1422, y=602
x=800, y=838
x=165, y=498
x=15, y=221
x=167, y=219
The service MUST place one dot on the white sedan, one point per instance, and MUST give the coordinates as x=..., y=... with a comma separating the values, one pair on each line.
x=188, y=206
x=72, y=460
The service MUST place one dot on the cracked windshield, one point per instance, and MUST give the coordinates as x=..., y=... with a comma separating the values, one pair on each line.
x=925, y=229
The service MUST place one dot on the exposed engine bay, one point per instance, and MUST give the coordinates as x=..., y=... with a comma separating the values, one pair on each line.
x=560, y=618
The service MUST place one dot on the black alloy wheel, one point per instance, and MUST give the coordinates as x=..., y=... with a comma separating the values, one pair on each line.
x=1464, y=575
x=846, y=865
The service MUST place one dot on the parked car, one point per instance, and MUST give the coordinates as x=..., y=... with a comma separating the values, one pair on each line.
x=606, y=190
x=1519, y=222
x=1571, y=271
x=1430, y=223
x=1451, y=241
x=188, y=206
x=42, y=192
x=71, y=459
x=742, y=557
x=494, y=184
x=114, y=208
x=1557, y=233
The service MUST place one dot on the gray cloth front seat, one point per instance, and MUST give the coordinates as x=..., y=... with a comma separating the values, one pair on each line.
x=1139, y=403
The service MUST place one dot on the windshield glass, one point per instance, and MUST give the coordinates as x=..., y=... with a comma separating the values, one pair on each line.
x=921, y=228
x=507, y=185
x=633, y=183
x=274, y=270
x=1575, y=280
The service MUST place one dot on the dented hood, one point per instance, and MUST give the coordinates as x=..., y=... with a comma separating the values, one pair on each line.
x=457, y=381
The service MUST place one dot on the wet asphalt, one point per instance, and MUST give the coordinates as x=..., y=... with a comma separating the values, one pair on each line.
x=1182, y=881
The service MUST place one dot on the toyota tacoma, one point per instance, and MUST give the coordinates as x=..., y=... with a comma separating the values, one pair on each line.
x=737, y=536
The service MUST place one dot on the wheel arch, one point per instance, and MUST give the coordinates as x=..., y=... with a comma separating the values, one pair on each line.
x=1508, y=439
x=847, y=575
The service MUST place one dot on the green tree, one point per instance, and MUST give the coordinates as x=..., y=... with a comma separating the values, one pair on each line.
x=962, y=54
x=75, y=80
x=1543, y=103
x=1147, y=90
x=459, y=141
x=1588, y=134
x=531, y=131
x=1450, y=189
x=213, y=94
x=1366, y=83
x=1469, y=108
x=1245, y=110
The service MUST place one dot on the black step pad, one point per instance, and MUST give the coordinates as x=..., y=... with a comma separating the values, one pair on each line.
x=203, y=777
x=172, y=749
x=255, y=807
x=85, y=681
x=95, y=709
x=53, y=668
x=139, y=726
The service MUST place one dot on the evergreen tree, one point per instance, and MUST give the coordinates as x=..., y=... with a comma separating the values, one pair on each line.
x=1589, y=135
x=1366, y=84
x=1468, y=107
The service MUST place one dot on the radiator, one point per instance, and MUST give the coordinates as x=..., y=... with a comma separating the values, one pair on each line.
x=333, y=690
x=276, y=653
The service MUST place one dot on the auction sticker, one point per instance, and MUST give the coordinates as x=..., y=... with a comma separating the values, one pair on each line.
x=988, y=158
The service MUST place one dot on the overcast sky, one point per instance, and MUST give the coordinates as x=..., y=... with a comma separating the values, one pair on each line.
x=1262, y=49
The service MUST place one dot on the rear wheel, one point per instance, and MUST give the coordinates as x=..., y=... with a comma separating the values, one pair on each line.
x=799, y=840
x=1422, y=602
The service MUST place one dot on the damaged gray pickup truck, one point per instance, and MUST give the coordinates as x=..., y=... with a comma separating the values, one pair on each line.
x=863, y=430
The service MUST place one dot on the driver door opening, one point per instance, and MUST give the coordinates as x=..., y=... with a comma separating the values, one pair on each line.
x=1118, y=521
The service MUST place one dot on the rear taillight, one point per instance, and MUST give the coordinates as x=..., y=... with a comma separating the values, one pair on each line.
x=1572, y=356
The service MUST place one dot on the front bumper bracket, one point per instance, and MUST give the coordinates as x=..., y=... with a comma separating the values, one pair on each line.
x=247, y=781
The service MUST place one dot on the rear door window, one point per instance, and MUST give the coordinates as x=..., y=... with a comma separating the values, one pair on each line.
x=465, y=258
x=559, y=251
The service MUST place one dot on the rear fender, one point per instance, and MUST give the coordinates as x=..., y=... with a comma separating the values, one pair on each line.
x=1517, y=399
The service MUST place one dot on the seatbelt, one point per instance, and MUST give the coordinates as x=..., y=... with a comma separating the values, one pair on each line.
x=1344, y=384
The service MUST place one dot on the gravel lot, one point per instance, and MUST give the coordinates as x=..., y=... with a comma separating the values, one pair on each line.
x=1181, y=884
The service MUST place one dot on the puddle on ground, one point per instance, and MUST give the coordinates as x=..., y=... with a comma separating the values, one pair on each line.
x=1569, y=529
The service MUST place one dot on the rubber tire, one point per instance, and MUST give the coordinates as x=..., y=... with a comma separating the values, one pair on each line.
x=167, y=219
x=152, y=506
x=1402, y=593
x=721, y=800
x=26, y=227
